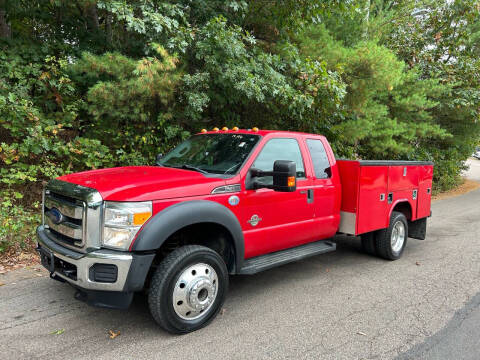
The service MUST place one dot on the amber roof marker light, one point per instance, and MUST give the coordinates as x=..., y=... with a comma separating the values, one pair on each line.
x=215, y=129
x=225, y=128
x=203, y=130
x=254, y=129
x=235, y=128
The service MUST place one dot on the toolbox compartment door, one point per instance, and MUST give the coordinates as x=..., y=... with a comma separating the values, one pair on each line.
x=402, y=177
x=424, y=191
x=372, y=203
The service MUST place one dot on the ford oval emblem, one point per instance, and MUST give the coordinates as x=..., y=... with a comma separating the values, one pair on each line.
x=55, y=215
x=233, y=200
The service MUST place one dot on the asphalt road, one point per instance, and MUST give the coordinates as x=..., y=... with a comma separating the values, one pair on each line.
x=340, y=305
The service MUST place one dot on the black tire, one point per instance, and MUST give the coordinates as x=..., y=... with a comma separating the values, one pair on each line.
x=164, y=280
x=383, y=238
x=368, y=243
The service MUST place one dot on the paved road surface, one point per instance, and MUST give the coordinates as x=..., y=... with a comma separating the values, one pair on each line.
x=340, y=305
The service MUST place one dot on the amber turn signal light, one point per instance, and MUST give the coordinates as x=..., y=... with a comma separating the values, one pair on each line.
x=140, y=218
x=291, y=181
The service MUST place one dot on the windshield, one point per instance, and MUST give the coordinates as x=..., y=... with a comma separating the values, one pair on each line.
x=212, y=153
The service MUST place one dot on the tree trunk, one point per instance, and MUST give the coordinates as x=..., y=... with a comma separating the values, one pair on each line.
x=367, y=18
x=92, y=17
x=5, y=31
x=108, y=29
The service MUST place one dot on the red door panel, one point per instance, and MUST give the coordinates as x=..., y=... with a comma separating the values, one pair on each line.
x=424, y=191
x=273, y=221
x=402, y=177
x=326, y=187
x=372, y=207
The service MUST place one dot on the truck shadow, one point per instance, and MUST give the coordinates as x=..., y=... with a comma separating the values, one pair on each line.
x=246, y=291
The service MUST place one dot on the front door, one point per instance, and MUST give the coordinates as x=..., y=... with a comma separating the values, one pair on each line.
x=274, y=220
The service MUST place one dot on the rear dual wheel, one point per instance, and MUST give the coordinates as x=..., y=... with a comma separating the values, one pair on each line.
x=391, y=242
x=388, y=243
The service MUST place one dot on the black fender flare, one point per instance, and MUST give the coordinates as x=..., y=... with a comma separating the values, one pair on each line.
x=175, y=217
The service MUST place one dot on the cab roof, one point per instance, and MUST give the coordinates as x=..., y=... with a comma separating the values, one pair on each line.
x=257, y=132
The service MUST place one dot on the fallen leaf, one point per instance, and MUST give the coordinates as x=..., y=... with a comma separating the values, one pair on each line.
x=1, y=284
x=223, y=311
x=361, y=333
x=57, y=332
x=113, y=334
x=417, y=263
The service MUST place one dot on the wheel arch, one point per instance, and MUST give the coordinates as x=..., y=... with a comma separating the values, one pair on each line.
x=186, y=214
x=403, y=206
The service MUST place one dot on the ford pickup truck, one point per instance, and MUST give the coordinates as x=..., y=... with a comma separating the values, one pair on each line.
x=221, y=203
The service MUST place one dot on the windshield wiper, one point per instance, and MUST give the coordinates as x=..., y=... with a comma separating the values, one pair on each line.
x=191, y=167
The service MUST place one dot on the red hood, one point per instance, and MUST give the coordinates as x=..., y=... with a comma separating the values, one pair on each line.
x=141, y=183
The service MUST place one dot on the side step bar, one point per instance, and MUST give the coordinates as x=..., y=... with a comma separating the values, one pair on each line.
x=268, y=261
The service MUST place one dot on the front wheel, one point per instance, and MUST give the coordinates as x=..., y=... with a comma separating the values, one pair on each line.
x=188, y=289
x=390, y=242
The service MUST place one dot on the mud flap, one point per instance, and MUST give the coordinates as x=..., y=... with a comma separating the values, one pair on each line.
x=417, y=229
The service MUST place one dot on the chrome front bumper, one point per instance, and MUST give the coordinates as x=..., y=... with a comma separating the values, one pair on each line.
x=84, y=261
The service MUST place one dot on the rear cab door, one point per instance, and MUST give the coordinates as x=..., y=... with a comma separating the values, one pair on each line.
x=325, y=186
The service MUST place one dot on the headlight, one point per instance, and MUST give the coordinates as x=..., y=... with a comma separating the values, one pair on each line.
x=122, y=222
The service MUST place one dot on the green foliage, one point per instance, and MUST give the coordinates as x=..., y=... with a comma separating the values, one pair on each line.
x=136, y=96
x=386, y=108
x=96, y=83
x=17, y=225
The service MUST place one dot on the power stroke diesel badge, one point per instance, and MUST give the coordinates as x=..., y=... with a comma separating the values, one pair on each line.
x=254, y=220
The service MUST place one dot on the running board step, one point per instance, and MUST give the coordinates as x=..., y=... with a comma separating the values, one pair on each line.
x=265, y=262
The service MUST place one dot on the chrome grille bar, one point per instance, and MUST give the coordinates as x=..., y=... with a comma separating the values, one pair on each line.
x=79, y=228
x=73, y=231
x=74, y=227
x=66, y=208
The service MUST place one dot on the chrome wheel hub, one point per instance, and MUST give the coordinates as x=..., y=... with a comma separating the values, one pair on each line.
x=398, y=236
x=195, y=291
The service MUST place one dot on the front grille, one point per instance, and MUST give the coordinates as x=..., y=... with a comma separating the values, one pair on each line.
x=71, y=212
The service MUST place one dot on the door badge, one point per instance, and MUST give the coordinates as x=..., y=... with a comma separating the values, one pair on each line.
x=254, y=220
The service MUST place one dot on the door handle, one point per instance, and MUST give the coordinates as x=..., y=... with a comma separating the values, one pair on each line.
x=309, y=193
x=310, y=196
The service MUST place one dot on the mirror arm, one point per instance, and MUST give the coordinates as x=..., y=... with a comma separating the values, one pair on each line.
x=258, y=173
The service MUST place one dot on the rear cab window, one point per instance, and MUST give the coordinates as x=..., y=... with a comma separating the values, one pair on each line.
x=319, y=157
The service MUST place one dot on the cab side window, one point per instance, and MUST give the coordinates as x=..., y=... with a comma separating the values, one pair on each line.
x=279, y=149
x=321, y=165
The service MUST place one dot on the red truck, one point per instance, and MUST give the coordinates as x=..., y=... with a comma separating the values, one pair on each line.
x=222, y=202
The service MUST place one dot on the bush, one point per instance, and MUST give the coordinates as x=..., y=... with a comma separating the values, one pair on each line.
x=17, y=224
